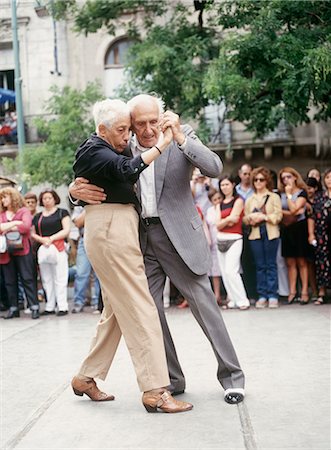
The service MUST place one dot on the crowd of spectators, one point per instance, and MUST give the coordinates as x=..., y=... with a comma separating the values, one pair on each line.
x=271, y=233
x=44, y=258
x=281, y=222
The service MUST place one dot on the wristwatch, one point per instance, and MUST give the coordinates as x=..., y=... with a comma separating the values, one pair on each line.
x=289, y=196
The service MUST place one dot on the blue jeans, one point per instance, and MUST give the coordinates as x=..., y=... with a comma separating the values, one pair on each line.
x=265, y=257
x=82, y=279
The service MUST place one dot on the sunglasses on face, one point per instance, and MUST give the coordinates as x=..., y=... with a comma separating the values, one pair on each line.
x=259, y=179
x=284, y=177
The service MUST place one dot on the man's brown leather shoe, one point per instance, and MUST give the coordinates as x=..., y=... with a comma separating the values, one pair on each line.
x=91, y=389
x=163, y=400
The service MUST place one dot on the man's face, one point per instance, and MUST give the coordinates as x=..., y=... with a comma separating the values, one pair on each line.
x=145, y=123
x=118, y=134
x=245, y=174
x=31, y=203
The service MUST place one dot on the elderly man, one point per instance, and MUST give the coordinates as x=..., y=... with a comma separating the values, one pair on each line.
x=172, y=237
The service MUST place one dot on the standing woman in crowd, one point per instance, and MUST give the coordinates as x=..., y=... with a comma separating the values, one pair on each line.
x=229, y=214
x=295, y=247
x=313, y=193
x=263, y=212
x=315, y=173
x=319, y=225
x=14, y=216
x=215, y=272
x=50, y=228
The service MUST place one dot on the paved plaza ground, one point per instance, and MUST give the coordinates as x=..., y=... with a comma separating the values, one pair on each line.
x=285, y=354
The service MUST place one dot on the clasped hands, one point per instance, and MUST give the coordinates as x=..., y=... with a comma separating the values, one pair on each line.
x=170, y=120
x=46, y=240
x=256, y=218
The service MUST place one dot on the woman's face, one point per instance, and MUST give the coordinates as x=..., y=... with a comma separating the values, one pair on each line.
x=327, y=181
x=216, y=198
x=314, y=173
x=6, y=201
x=288, y=178
x=260, y=182
x=48, y=200
x=227, y=187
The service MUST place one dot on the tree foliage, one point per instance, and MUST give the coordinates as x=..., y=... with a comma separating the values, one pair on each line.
x=69, y=124
x=171, y=61
x=266, y=59
x=275, y=61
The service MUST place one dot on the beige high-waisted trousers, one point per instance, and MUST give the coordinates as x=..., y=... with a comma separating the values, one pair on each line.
x=112, y=245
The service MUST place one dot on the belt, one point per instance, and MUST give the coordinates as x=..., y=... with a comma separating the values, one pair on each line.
x=151, y=220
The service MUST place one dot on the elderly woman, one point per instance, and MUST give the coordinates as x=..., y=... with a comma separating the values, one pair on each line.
x=14, y=216
x=112, y=246
x=263, y=212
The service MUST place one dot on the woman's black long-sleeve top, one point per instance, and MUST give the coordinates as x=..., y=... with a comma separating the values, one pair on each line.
x=103, y=166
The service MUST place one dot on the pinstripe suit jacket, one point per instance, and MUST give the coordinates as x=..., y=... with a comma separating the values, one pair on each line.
x=177, y=212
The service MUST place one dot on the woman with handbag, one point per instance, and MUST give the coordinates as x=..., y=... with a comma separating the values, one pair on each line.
x=294, y=232
x=215, y=271
x=50, y=229
x=17, y=259
x=263, y=212
x=229, y=214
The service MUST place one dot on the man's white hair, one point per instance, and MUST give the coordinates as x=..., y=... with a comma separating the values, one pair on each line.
x=109, y=111
x=145, y=98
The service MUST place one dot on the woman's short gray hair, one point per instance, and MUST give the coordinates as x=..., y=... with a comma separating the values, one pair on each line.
x=143, y=98
x=109, y=111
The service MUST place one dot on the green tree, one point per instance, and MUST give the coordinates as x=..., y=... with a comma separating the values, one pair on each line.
x=69, y=124
x=266, y=59
x=275, y=62
x=172, y=61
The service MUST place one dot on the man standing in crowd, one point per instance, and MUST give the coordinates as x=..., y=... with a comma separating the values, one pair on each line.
x=171, y=229
x=244, y=188
x=31, y=202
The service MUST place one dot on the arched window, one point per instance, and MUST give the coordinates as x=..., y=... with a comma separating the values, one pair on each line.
x=116, y=53
x=114, y=65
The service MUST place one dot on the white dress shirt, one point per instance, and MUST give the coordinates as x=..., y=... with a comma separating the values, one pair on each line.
x=147, y=184
x=147, y=181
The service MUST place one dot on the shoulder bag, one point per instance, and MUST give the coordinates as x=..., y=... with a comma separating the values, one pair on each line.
x=14, y=241
x=224, y=246
x=3, y=243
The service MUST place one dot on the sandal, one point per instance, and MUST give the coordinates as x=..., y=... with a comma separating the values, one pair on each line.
x=304, y=300
x=291, y=298
x=319, y=301
x=244, y=307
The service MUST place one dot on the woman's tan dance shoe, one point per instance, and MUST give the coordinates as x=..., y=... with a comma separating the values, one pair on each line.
x=162, y=400
x=91, y=389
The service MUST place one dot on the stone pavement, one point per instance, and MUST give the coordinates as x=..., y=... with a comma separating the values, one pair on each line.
x=285, y=354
